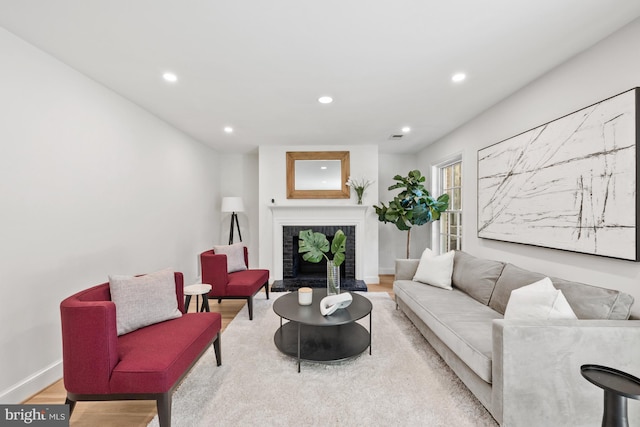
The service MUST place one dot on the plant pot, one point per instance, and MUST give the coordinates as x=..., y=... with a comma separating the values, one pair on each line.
x=333, y=278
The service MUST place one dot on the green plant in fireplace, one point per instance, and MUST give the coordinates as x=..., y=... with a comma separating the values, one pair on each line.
x=315, y=247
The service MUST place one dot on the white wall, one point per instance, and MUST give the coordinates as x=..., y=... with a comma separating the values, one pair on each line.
x=238, y=176
x=91, y=185
x=608, y=68
x=272, y=178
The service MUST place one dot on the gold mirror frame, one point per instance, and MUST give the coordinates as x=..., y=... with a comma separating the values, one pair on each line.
x=292, y=156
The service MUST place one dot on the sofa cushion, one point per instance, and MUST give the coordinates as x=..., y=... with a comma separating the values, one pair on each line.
x=592, y=302
x=406, y=268
x=435, y=270
x=143, y=300
x=475, y=276
x=587, y=302
x=152, y=359
x=235, y=256
x=539, y=300
x=463, y=324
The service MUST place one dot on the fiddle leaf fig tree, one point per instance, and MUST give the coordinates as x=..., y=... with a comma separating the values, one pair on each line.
x=413, y=205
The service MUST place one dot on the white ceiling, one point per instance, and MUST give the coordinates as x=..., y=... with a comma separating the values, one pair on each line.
x=260, y=66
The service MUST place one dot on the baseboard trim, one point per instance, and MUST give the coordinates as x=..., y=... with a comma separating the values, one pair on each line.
x=391, y=270
x=372, y=280
x=33, y=384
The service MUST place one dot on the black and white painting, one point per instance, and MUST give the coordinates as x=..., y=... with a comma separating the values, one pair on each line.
x=569, y=184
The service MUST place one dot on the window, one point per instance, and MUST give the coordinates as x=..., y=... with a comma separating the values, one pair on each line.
x=449, y=180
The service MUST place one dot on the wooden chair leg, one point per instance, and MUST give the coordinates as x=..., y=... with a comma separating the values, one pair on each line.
x=163, y=404
x=266, y=288
x=216, y=349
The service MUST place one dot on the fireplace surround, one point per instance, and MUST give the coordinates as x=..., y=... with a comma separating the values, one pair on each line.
x=297, y=272
x=288, y=221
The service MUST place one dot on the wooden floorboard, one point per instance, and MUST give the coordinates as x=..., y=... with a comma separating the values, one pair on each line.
x=138, y=413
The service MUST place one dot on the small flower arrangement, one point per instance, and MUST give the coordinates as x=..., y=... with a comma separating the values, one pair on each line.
x=359, y=186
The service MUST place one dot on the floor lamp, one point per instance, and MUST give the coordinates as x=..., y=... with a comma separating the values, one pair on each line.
x=233, y=205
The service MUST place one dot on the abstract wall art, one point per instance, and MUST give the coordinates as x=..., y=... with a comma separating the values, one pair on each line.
x=569, y=184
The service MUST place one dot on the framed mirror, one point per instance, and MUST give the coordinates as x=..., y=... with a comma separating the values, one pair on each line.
x=317, y=174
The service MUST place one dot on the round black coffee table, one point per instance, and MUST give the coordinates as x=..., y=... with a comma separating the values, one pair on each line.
x=311, y=336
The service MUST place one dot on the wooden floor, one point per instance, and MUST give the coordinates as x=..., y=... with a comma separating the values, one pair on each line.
x=140, y=412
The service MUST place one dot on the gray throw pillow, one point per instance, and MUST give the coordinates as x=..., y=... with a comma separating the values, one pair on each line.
x=144, y=300
x=235, y=256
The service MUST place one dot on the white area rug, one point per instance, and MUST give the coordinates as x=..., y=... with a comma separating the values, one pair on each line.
x=403, y=383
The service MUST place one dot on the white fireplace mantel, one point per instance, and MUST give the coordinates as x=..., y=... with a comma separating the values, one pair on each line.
x=292, y=215
x=296, y=206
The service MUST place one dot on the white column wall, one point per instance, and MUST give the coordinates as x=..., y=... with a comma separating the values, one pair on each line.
x=393, y=242
x=272, y=186
x=238, y=176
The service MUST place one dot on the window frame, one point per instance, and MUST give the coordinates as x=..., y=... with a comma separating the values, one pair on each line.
x=437, y=233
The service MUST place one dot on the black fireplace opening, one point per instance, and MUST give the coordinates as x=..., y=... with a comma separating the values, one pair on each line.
x=296, y=272
x=294, y=267
x=302, y=269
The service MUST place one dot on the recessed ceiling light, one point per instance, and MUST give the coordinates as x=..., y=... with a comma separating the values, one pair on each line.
x=458, y=77
x=228, y=129
x=170, y=77
x=406, y=129
x=323, y=167
x=325, y=100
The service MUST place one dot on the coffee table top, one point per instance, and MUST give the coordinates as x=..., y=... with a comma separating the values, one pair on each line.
x=287, y=307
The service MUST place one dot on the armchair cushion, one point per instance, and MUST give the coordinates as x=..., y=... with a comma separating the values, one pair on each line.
x=247, y=283
x=144, y=300
x=235, y=256
x=152, y=359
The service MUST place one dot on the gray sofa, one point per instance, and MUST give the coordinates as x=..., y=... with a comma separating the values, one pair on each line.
x=526, y=373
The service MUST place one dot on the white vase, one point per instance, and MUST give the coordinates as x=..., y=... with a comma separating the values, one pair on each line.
x=333, y=278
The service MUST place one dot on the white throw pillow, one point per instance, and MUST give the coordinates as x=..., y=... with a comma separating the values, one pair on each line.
x=435, y=270
x=144, y=300
x=540, y=300
x=235, y=256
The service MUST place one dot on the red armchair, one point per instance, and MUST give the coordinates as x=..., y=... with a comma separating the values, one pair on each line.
x=243, y=284
x=146, y=364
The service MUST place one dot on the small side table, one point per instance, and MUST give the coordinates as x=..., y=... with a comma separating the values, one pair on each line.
x=617, y=386
x=199, y=289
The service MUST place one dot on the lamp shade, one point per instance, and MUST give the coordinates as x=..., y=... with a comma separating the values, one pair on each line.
x=232, y=204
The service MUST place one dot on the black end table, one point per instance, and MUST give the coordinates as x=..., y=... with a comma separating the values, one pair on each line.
x=311, y=336
x=617, y=386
